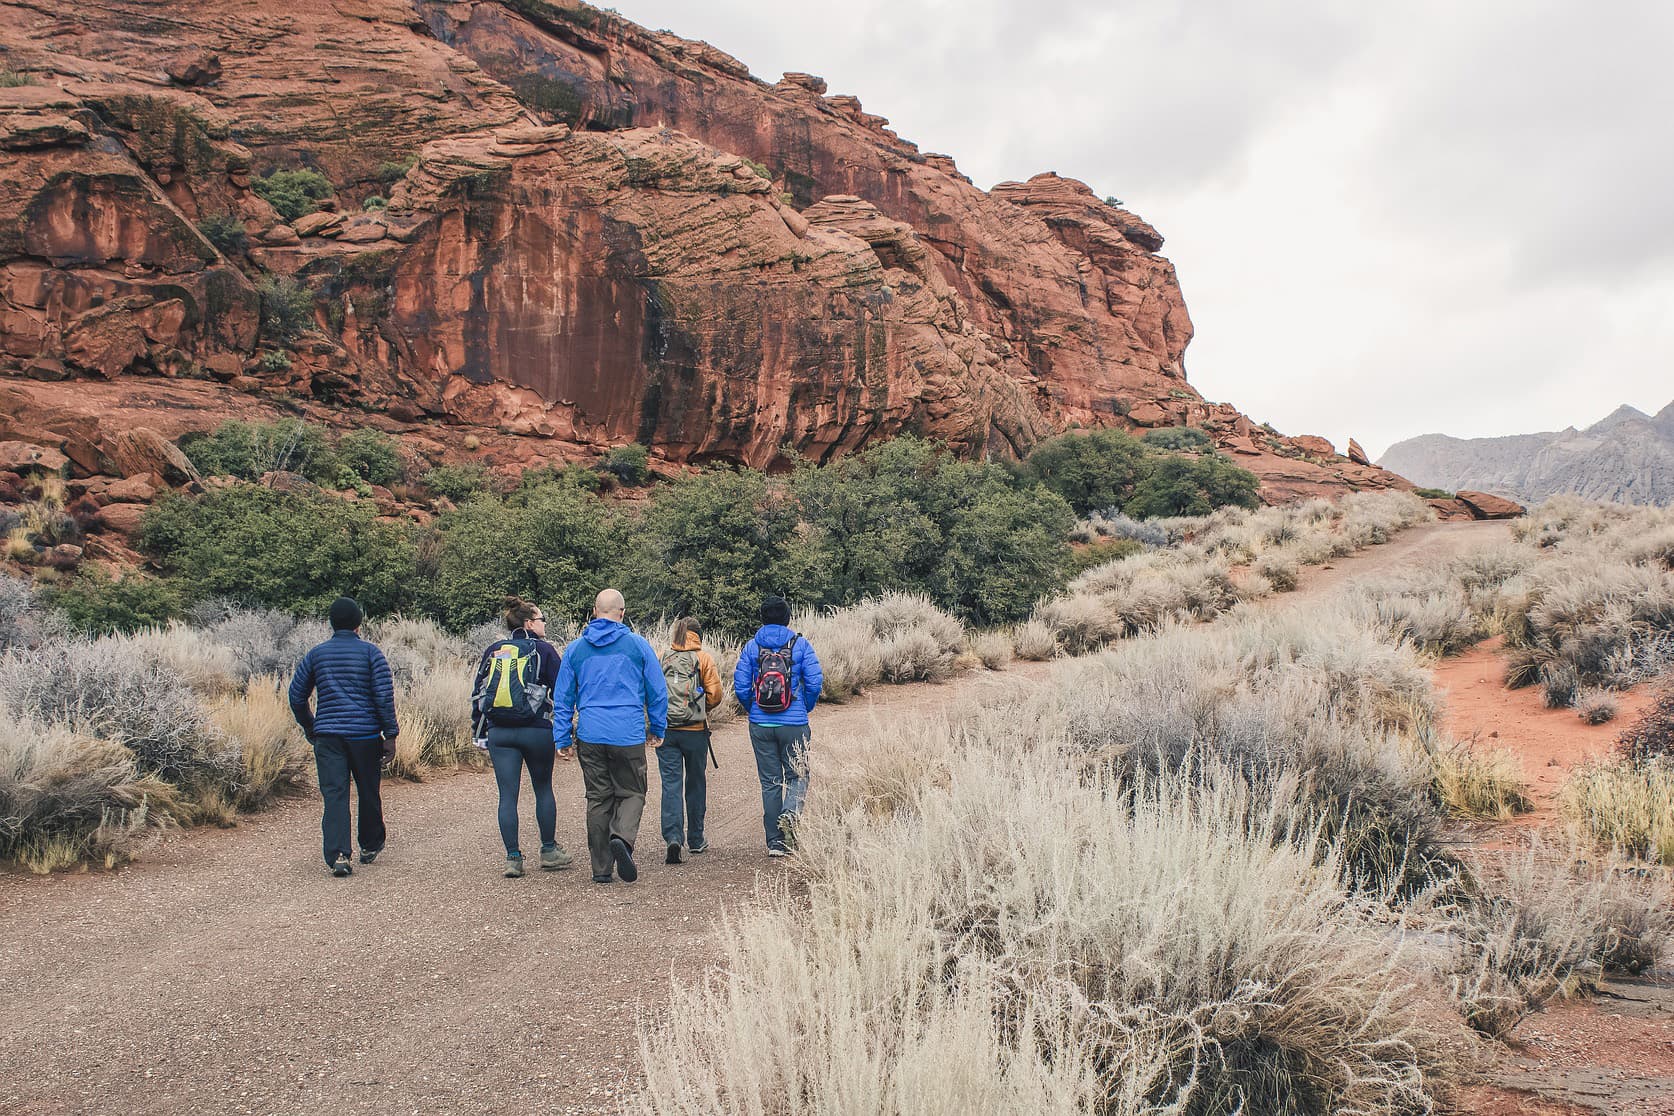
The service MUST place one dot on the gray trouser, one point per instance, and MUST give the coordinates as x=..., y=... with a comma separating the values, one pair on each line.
x=614, y=778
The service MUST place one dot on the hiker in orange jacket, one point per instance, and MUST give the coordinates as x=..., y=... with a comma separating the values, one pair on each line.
x=694, y=688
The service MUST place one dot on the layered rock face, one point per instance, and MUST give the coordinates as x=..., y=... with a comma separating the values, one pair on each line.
x=1627, y=456
x=593, y=234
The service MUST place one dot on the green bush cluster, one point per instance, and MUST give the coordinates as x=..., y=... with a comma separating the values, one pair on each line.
x=1106, y=470
x=226, y=232
x=287, y=308
x=293, y=193
x=629, y=464
x=252, y=544
x=371, y=455
x=248, y=450
x=457, y=482
x=98, y=604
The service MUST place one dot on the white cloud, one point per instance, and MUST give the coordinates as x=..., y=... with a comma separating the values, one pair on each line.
x=1388, y=219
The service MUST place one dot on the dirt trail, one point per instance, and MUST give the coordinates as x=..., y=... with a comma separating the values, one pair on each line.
x=227, y=972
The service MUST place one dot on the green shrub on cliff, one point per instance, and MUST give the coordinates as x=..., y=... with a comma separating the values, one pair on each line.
x=293, y=193
x=226, y=232
x=1177, y=438
x=1093, y=471
x=371, y=454
x=248, y=450
x=629, y=464
x=287, y=308
x=1191, y=486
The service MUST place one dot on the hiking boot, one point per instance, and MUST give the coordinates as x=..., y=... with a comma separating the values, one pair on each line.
x=514, y=867
x=776, y=852
x=606, y=878
x=698, y=846
x=367, y=856
x=341, y=866
x=676, y=855
x=555, y=858
x=624, y=857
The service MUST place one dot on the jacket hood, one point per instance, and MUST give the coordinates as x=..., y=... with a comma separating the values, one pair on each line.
x=692, y=643
x=772, y=635
x=602, y=633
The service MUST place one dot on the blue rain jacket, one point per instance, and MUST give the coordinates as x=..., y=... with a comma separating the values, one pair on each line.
x=611, y=682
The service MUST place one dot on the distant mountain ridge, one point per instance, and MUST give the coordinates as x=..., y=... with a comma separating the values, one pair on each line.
x=1627, y=456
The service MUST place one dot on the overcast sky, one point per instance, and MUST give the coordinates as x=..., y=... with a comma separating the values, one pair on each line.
x=1388, y=220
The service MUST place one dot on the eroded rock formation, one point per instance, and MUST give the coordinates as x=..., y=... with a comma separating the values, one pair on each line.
x=557, y=228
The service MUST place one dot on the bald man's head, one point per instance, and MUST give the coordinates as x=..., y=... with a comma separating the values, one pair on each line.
x=609, y=605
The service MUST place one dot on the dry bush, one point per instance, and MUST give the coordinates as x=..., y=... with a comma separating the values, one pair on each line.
x=67, y=798
x=1473, y=783
x=434, y=711
x=208, y=667
x=1033, y=641
x=134, y=698
x=25, y=622
x=1547, y=922
x=1007, y=940
x=1652, y=736
x=1627, y=805
x=414, y=647
x=898, y=637
x=1280, y=571
x=273, y=755
x=993, y=649
x=1596, y=707
x=260, y=641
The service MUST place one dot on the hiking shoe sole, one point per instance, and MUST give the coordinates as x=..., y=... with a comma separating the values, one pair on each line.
x=369, y=857
x=552, y=860
x=777, y=853
x=624, y=857
x=514, y=867
x=698, y=848
x=341, y=867
x=676, y=855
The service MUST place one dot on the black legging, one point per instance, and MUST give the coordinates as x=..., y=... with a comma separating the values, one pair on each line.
x=512, y=749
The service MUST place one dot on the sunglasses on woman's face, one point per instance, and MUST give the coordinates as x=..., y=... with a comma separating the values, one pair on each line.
x=537, y=619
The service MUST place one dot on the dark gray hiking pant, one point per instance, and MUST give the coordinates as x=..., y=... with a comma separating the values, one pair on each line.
x=614, y=778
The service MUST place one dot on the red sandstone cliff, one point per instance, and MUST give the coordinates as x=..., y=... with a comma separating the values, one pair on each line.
x=580, y=247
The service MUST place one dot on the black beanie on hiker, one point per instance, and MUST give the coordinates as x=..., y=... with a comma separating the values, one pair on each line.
x=774, y=610
x=345, y=614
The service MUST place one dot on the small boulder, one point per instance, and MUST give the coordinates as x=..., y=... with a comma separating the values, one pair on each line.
x=122, y=519
x=129, y=490
x=1485, y=505
x=318, y=223
x=1149, y=414
x=64, y=556
x=26, y=457
x=1356, y=454
x=281, y=236
x=143, y=451
x=194, y=67
x=1314, y=445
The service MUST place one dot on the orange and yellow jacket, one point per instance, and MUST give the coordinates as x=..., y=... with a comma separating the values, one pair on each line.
x=708, y=674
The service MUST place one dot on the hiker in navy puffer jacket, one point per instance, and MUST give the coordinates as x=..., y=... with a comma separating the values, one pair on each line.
x=612, y=685
x=353, y=731
x=780, y=737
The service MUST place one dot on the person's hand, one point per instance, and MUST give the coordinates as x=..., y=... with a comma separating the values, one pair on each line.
x=567, y=753
x=389, y=749
x=654, y=741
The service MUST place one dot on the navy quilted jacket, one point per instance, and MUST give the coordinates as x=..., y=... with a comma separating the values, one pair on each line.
x=356, y=692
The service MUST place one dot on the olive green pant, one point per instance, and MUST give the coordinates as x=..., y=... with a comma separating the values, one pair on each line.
x=614, y=779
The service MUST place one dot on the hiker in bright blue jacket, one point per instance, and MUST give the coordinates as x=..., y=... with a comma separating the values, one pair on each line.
x=779, y=733
x=352, y=730
x=611, y=684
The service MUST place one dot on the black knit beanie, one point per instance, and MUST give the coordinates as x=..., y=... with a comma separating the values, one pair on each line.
x=775, y=610
x=346, y=614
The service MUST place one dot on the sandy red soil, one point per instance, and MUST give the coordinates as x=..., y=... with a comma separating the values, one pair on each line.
x=1614, y=1054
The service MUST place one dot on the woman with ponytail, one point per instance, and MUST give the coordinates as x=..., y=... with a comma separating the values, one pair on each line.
x=513, y=702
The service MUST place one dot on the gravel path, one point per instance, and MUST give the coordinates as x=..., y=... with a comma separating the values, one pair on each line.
x=228, y=972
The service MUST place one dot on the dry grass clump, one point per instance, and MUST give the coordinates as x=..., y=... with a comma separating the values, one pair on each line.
x=897, y=637
x=1596, y=707
x=993, y=649
x=1007, y=940
x=1627, y=805
x=67, y=798
x=1651, y=736
x=1474, y=783
x=1033, y=640
x=1546, y=923
x=1280, y=571
x=274, y=758
x=434, y=710
x=24, y=621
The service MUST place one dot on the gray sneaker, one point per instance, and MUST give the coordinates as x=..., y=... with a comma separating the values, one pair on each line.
x=555, y=858
x=341, y=866
x=514, y=867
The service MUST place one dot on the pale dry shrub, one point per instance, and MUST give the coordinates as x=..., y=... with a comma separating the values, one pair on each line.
x=1091, y=947
x=67, y=798
x=24, y=621
x=260, y=641
x=135, y=699
x=415, y=646
x=993, y=649
x=209, y=668
x=1254, y=587
x=1627, y=805
x=434, y=712
x=1546, y=922
x=1596, y=707
x=1480, y=783
x=1280, y=571
x=273, y=755
x=1033, y=641
x=897, y=637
